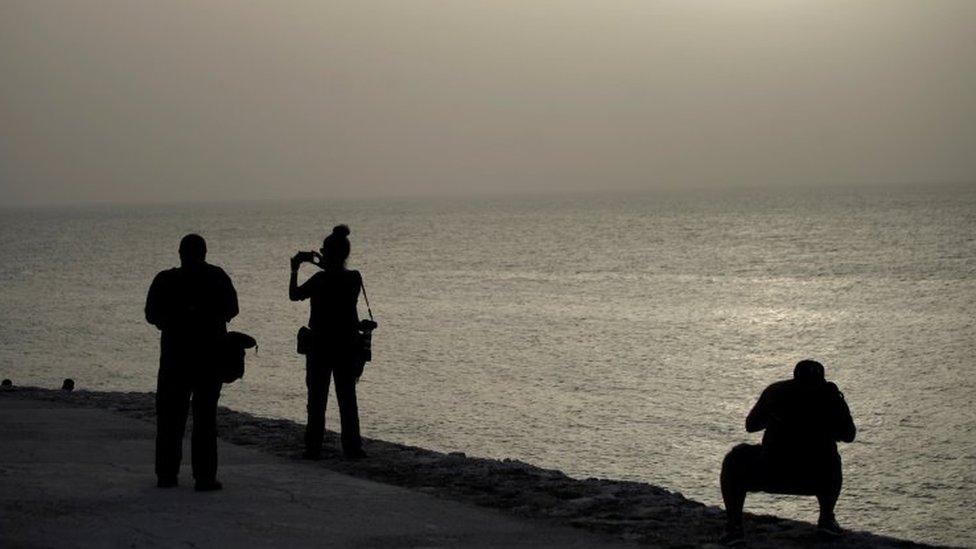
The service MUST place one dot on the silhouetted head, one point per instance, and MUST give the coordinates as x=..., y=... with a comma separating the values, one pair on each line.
x=68, y=385
x=6, y=384
x=335, y=247
x=809, y=372
x=193, y=250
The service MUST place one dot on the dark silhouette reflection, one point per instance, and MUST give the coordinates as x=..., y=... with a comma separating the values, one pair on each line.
x=191, y=305
x=804, y=418
x=333, y=349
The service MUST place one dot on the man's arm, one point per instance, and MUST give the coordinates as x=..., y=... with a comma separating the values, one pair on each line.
x=229, y=306
x=157, y=310
x=758, y=418
x=843, y=424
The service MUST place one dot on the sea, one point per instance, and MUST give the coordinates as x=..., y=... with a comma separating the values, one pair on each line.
x=619, y=336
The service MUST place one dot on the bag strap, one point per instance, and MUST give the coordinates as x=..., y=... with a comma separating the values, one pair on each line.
x=365, y=298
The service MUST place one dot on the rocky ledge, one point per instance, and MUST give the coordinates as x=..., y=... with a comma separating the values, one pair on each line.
x=633, y=511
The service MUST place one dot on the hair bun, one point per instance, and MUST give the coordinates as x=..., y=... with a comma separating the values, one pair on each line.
x=341, y=230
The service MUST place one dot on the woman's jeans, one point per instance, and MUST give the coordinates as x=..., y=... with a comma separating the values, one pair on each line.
x=319, y=367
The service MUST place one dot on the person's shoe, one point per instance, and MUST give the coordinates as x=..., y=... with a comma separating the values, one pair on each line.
x=354, y=454
x=829, y=527
x=208, y=486
x=167, y=482
x=733, y=537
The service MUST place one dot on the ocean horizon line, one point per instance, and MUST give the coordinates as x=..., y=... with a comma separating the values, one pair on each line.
x=503, y=195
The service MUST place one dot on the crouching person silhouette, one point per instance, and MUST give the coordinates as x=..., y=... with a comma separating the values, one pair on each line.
x=804, y=418
x=191, y=305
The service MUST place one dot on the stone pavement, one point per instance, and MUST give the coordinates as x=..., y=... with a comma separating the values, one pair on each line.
x=83, y=477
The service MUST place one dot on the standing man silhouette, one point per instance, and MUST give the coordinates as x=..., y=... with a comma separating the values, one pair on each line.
x=191, y=305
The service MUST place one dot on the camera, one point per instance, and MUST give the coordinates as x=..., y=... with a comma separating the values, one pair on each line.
x=310, y=257
x=367, y=326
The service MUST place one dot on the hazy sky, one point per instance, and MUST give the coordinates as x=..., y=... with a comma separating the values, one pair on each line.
x=129, y=100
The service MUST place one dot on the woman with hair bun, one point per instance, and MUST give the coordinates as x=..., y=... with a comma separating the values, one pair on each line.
x=334, y=323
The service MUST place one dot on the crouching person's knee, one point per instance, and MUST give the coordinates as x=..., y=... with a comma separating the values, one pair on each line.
x=739, y=466
x=737, y=458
